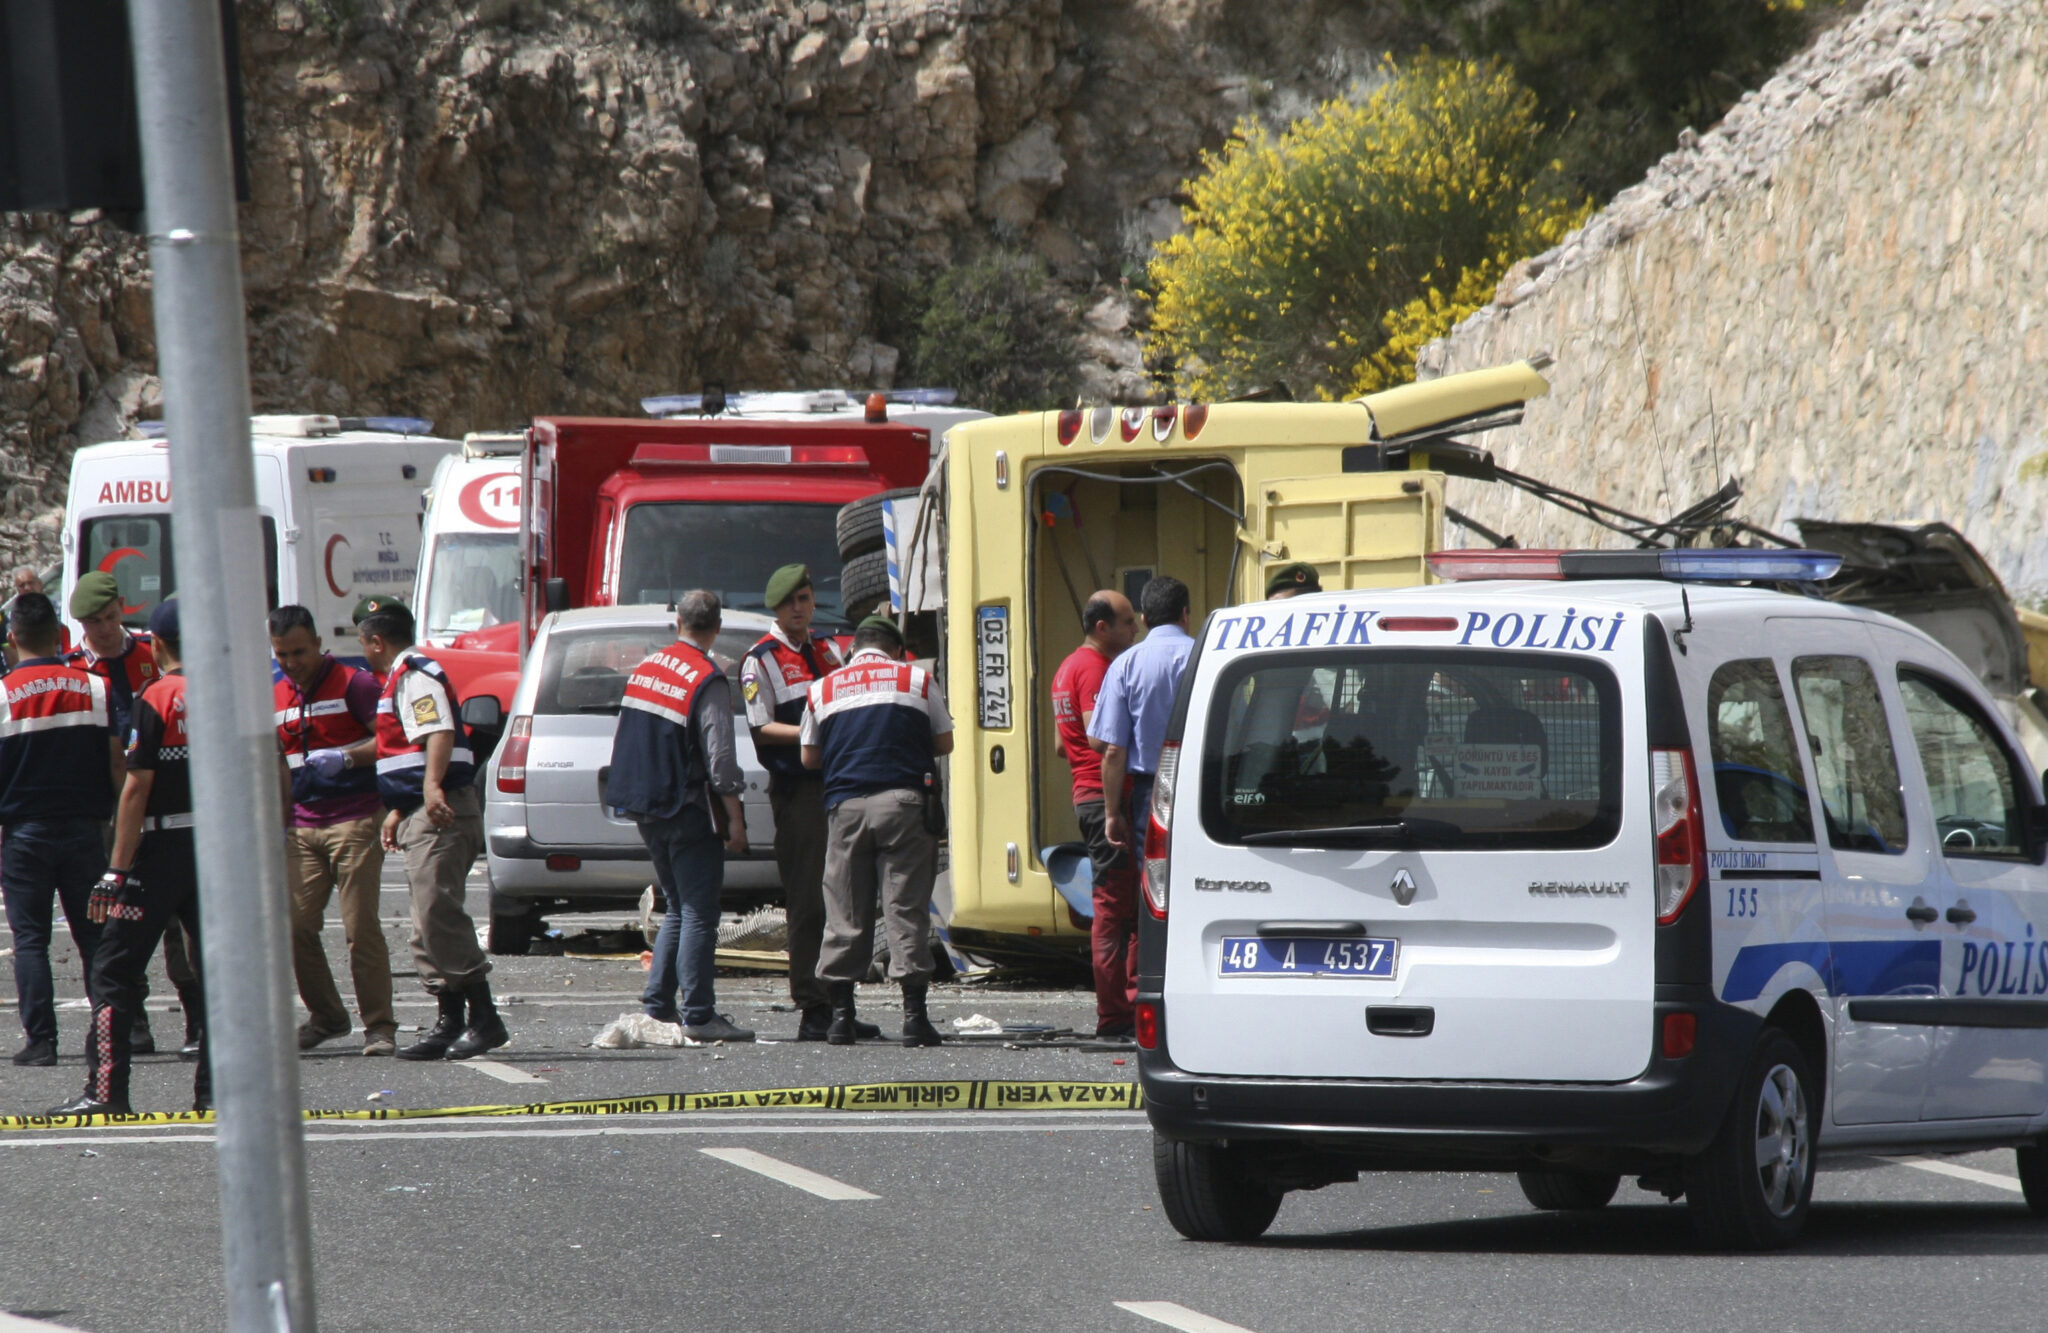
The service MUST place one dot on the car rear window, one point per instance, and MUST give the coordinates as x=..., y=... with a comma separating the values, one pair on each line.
x=585, y=670
x=1423, y=748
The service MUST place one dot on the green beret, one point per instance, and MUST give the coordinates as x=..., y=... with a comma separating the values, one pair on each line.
x=786, y=583
x=370, y=606
x=883, y=623
x=1298, y=576
x=92, y=592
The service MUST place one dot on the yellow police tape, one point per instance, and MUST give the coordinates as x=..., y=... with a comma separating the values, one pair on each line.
x=961, y=1095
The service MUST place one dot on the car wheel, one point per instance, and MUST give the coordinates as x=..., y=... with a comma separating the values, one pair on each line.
x=1207, y=1194
x=2033, y=1163
x=1568, y=1191
x=511, y=935
x=1752, y=1187
x=860, y=523
x=864, y=585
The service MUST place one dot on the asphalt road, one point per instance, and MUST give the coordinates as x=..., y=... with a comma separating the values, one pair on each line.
x=987, y=1221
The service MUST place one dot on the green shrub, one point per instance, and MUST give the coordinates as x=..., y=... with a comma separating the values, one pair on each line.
x=996, y=329
x=1325, y=256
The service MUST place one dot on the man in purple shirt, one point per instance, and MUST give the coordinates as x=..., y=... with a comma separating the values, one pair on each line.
x=1133, y=706
x=327, y=733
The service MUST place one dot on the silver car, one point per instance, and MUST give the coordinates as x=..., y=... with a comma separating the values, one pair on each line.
x=551, y=842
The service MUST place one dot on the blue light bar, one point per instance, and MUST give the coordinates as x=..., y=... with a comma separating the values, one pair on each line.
x=924, y=397
x=1734, y=565
x=400, y=425
x=151, y=430
x=672, y=404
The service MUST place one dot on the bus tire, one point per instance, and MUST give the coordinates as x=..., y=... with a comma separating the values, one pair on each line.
x=864, y=585
x=860, y=523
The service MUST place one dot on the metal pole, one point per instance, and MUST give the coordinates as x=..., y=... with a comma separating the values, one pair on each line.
x=181, y=89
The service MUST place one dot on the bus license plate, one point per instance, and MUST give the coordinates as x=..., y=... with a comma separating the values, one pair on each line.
x=1307, y=956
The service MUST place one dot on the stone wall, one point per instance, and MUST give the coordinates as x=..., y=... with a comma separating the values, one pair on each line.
x=1837, y=297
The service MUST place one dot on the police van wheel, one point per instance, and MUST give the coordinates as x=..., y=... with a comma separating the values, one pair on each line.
x=1567, y=1191
x=860, y=523
x=2033, y=1164
x=1207, y=1194
x=511, y=935
x=1751, y=1188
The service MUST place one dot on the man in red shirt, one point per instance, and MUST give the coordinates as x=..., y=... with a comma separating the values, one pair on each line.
x=1111, y=626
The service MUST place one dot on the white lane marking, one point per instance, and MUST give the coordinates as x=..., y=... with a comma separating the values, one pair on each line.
x=1969, y=1173
x=501, y=1071
x=794, y=1176
x=1180, y=1317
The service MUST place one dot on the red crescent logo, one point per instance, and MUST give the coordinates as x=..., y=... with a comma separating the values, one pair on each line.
x=115, y=557
x=489, y=511
x=336, y=540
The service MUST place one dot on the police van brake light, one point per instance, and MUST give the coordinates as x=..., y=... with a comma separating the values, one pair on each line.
x=1717, y=565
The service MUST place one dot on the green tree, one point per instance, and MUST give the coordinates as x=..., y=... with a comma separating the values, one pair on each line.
x=1621, y=78
x=1326, y=255
x=996, y=329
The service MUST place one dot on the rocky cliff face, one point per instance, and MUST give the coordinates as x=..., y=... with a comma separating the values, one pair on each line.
x=484, y=211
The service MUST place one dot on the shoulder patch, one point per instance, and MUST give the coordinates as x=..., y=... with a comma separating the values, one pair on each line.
x=425, y=712
x=750, y=686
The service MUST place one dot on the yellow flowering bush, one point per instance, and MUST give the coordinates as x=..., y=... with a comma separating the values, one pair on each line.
x=1328, y=254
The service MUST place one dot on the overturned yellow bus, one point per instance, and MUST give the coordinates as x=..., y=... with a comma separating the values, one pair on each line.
x=1028, y=514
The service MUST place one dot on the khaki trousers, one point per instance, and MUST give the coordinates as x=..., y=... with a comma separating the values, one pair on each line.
x=437, y=862
x=879, y=839
x=799, y=808
x=318, y=862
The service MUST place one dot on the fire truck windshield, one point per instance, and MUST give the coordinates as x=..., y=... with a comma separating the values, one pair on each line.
x=731, y=549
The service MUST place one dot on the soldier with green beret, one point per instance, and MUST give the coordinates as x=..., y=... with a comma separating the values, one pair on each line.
x=1292, y=581
x=775, y=679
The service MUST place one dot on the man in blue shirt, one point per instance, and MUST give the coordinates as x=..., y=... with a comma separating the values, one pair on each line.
x=1136, y=700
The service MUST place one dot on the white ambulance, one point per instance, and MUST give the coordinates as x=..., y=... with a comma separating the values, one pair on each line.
x=469, y=540
x=339, y=500
x=1602, y=866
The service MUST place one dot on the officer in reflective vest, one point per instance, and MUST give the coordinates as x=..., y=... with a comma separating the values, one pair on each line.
x=874, y=728
x=675, y=775
x=775, y=680
x=427, y=777
x=56, y=793
x=152, y=880
x=124, y=660
x=326, y=731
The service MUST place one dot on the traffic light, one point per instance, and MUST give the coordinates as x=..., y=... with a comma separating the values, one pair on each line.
x=68, y=137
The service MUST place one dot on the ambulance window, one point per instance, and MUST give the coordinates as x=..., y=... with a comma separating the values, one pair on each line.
x=475, y=582
x=1853, y=761
x=1761, y=788
x=1970, y=778
x=136, y=550
x=1425, y=748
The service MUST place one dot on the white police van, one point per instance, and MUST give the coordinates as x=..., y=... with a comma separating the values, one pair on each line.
x=1600, y=867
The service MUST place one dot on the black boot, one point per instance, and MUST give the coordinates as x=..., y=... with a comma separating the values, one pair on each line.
x=486, y=1031
x=435, y=1041
x=193, y=1001
x=817, y=1022
x=844, y=1030
x=917, y=1025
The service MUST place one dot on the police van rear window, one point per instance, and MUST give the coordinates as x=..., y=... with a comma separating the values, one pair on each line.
x=1431, y=748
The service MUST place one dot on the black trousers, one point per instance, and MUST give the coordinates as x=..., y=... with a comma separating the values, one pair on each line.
x=167, y=891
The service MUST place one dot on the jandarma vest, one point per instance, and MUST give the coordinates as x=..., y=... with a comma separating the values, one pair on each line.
x=53, y=744
x=785, y=677
x=402, y=764
x=321, y=721
x=655, y=755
